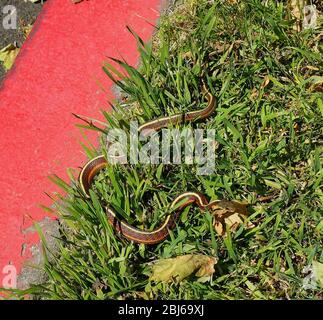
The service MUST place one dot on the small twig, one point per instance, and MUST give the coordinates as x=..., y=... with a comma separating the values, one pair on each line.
x=266, y=198
x=90, y=120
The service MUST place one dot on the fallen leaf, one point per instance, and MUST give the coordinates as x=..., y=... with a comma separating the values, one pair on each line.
x=265, y=82
x=8, y=55
x=316, y=83
x=296, y=9
x=311, y=68
x=254, y=94
x=187, y=55
x=177, y=269
x=228, y=214
x=27, y=29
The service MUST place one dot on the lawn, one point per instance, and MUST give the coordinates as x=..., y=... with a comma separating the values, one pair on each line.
x=267, y=78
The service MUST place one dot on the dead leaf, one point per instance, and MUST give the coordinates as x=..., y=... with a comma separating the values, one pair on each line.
x=27, y=29
x=228, y=214
x=187, y=55
x=177, y=269
x=316, y=84
x=219, y=47
x=254, y=94
x=311, y=68
x=8, y=55
x=233, y=1
x=265, y=82
x=296, y=9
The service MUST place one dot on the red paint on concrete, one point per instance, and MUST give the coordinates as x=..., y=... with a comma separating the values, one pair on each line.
x=55, y=75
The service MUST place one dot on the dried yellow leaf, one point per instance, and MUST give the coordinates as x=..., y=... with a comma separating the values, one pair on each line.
x=27, y=29
x=265, y=82
x=228, y=214
x=8, y=55
x=177, y=269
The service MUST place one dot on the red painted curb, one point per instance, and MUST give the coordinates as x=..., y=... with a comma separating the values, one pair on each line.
x=54, y=75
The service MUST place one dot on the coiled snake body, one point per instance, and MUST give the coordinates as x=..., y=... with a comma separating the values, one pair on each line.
x=93, y=167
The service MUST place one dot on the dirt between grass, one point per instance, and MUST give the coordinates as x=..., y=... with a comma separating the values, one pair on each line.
x=27, y=13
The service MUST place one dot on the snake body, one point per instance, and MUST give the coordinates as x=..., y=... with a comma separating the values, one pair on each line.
x=94, y=166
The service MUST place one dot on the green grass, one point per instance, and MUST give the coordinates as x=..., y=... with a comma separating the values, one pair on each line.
x=268, y=82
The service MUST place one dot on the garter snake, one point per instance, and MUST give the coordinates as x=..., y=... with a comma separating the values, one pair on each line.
x=93, y=167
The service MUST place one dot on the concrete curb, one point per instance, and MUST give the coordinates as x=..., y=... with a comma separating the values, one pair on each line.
x=55, y=74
